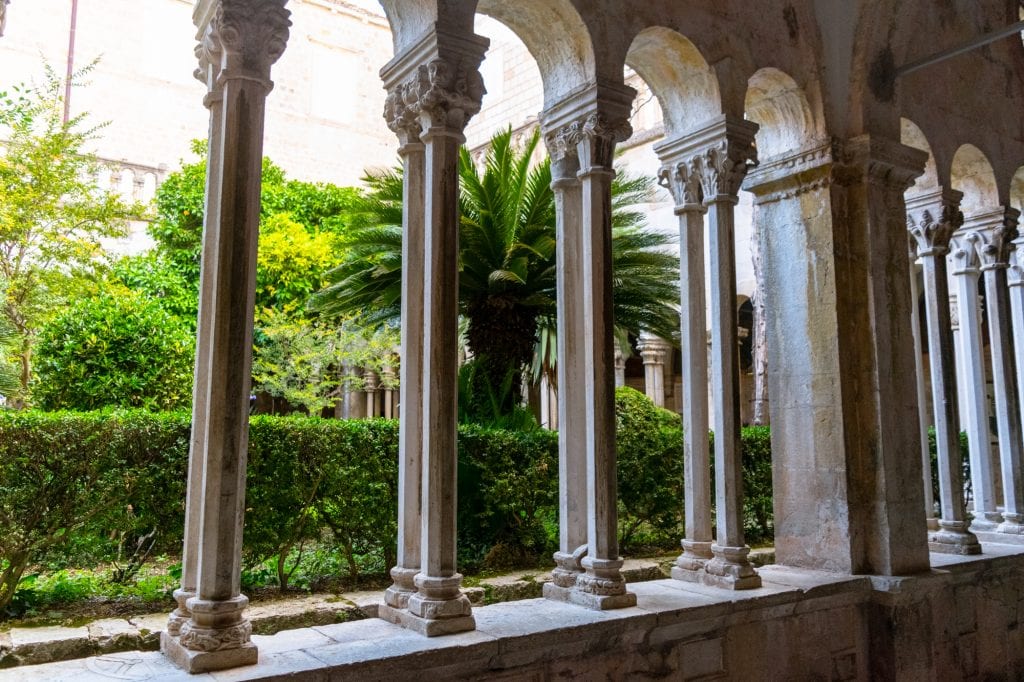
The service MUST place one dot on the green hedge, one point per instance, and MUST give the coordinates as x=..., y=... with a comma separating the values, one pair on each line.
x=73, y=484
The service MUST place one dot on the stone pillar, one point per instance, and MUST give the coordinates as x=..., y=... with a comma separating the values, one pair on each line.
x=724, y=164
x=997, y=230
x=654, y=352
x=592, y=121
x=620, y=367
x=932, y=219
x=680, y=173
x=1015, y=284
x=442, y=86
x=238, y=47
x=887, y=532
x=923, y=413
x=404, y=122
x=370, y=387
x=387, y=381
x=572, y=416
x=971, y=382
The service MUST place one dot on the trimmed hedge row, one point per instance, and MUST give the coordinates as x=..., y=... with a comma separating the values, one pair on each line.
x=73, y=484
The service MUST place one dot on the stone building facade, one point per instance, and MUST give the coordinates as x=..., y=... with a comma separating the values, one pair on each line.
x=865, y=132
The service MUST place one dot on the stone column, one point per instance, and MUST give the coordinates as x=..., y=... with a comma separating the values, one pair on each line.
x=572, y=416
x=724, y=164
x=387, y=378
x=1015, y=284
x=592, y=121
x=971, y=383
x=620, y=367
x=442, y=86
x=998, y=230
x=680, y=173
x=932, y=219
x=654, y=352
x=237, y=50
x=403, y=122
x=370, y=387
x=923, y=414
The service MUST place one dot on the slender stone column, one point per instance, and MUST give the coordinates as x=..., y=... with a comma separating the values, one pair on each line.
x=403, y=121
x=723, y=166
x=654, y=352
x=239, y=45
x=932, y=219
x=998, y=231
x=923, y=414
x=387, y=379
x=443, y=87
x=572, y=416
x=370, y=388
x=620, y=367
x=681, y=174
x=1015, y=284
x=966, y=270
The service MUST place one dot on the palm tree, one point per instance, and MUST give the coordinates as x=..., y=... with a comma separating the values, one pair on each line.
x=507, y=260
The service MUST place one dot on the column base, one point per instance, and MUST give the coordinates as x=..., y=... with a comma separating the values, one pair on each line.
x=403, y=587
x=1013, y=524
x=730, y=569
x=691, y=563
x=206, y=661
x=602, y=586
x=428, y=627
x=953, y=537
x=985, y=520
x=933, y=523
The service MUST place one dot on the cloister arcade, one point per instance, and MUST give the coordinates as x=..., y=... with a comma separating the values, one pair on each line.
x=805, y=106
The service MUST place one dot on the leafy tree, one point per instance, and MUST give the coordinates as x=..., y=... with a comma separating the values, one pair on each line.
x=292, y=262
x=178, y=229
x=114, y=349
x=507, y=260
x=53, y=211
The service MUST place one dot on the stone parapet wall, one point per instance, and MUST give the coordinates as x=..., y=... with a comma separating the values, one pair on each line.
x=958, y=621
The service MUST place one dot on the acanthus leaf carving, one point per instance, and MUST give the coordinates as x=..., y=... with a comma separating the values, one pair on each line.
x=932, y=227
x=724, y=165
x=445, y=92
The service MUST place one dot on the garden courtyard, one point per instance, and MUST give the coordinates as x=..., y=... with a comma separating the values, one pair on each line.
x=368, y=421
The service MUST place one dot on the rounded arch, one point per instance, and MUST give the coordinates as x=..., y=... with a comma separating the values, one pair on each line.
x=556, y=37
x=779, y=106
x=912, y=136
x=1017, y=190
x=678, y=75
x=410, y=20
x=972, y=174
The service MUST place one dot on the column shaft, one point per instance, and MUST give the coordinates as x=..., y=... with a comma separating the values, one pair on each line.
x=924, y=416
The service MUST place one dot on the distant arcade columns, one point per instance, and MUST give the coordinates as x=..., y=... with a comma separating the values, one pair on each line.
x=655, y=353
x=931, y=219
x=435, y=83
x=997, y=230
x=239, y=43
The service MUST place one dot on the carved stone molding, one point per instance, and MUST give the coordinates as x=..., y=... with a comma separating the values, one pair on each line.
x=882, y=161
x=243, y=39
x=932, y=219
x=790, y=175
x=198, y=638
x=713, y=159
x=725, y=165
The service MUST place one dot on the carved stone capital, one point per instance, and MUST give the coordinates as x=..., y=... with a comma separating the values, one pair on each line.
x=683, y=180
x=724, y=166
x=446, y=92
x=402, y=119
x=243, y=39
x=593, y=138
x=931, y=221
x=964, y=248
x=995, y=234
x=881, y=161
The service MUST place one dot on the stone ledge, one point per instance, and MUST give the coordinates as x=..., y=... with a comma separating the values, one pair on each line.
x=824, y=618
x=37, y=645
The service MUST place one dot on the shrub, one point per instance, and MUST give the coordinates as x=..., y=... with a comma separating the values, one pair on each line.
x=114, y=351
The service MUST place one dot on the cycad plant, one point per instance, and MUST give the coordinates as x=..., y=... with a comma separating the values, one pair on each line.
x=507, y=261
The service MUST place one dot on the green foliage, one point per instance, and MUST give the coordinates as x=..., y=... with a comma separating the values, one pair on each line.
x=319, y=207
x=53, y=211
x=758, y=514
x=114, y=350
x=507, y=260
x=650, y=468
x=292, y=261
x=156, y=277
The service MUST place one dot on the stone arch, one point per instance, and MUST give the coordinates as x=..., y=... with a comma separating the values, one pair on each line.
x=679, y=76
x=912, y=136
x=410, y=20
x=972, y=174
x=556, y=37
x=779, y=106
x=1017, y=190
